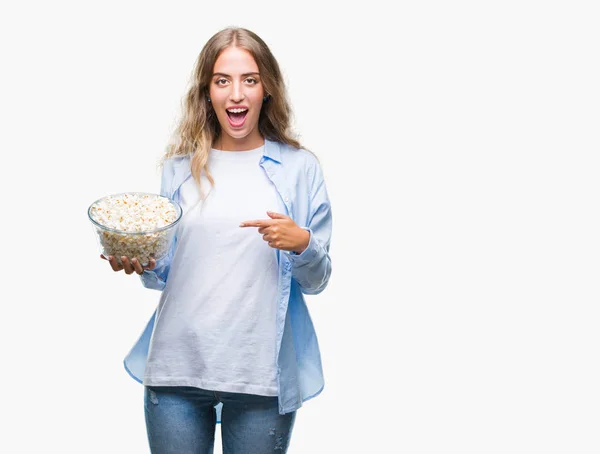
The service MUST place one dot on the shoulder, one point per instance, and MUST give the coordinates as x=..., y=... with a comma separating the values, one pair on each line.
x=171, y=168
x=171, y=163
x=174, y=160
x=299, y=157
x=302, y=165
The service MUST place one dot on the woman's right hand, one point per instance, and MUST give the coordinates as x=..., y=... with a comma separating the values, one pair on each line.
x=129, y=265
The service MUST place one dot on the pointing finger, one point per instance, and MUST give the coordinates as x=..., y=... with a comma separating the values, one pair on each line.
x=257, y=223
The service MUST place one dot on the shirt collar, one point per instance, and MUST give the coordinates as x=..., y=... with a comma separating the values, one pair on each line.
x=272, y=150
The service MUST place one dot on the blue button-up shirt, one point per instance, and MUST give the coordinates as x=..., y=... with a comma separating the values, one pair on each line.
x=298, y=178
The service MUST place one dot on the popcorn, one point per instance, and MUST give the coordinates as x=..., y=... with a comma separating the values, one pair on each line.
x=128, y=224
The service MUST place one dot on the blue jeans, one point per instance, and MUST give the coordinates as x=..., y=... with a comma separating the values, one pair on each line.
x=182, y=420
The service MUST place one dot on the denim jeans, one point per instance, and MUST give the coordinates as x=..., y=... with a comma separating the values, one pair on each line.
x=182, y=420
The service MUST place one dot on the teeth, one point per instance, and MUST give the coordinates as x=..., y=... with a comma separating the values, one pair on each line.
x=237, y=110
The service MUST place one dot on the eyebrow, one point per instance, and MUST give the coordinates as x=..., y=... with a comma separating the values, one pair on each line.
x=243, y=75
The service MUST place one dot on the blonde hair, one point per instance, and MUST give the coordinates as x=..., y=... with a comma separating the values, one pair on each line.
x=199, y=126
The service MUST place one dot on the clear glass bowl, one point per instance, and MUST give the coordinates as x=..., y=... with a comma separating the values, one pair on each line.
x=144, y=245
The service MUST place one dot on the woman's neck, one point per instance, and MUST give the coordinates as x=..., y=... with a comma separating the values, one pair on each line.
x=231, y=144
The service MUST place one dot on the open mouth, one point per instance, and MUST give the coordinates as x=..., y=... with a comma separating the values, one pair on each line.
x=237, y=117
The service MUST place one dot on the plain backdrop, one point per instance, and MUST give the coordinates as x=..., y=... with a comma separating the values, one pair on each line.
x=459, y=142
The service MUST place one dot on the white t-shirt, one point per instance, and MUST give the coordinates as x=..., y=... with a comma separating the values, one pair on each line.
x=215, y=324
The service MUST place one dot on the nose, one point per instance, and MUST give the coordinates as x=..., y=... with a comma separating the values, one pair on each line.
x=237, y=93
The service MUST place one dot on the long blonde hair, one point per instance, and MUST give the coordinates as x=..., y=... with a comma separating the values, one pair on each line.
x=199, y=126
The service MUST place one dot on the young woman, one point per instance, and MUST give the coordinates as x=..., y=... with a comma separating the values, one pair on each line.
x=231, y=340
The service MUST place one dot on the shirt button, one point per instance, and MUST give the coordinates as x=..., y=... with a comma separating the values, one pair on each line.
x=286, y=199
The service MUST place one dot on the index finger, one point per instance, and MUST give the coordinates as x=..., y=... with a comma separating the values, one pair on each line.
x=257, y=223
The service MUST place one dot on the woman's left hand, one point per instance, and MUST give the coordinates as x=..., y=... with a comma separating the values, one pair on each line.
x=281, y=232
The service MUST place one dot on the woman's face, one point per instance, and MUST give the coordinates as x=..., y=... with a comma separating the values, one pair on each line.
x=236, y=94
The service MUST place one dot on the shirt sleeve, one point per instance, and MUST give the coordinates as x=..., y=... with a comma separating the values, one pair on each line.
x=156, y=279
x=312, y=268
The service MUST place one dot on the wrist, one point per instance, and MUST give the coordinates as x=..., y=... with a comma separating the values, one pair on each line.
x=305, y=242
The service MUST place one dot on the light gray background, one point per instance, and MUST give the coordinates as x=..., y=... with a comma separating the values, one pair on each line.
x=459, y=142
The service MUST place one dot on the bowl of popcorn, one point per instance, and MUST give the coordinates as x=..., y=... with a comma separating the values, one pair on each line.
x=135, y=224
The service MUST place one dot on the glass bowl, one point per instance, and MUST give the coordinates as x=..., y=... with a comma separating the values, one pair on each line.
x=135, y=238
